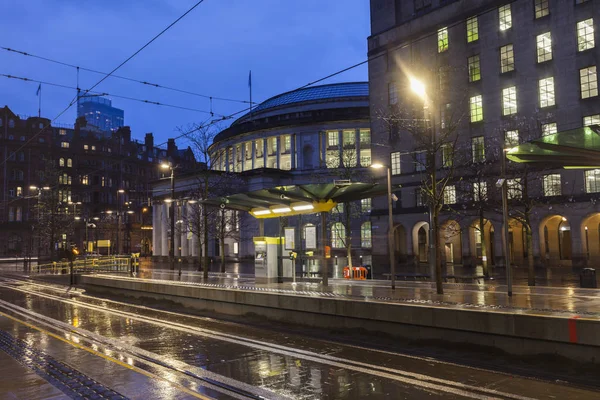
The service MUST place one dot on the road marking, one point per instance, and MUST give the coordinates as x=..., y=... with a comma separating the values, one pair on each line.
x=106, y=357
x=423, y=381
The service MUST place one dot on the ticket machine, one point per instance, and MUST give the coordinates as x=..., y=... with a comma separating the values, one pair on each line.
x=265, y=259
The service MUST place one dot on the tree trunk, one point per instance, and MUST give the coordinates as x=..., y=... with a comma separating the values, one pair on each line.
x=348, y=238
x=530, y=264
x=206, y=261
x=438, y=265
x=484, y=263
x=222, y=241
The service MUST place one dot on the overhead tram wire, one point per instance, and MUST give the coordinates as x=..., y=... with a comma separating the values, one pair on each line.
x=72, y=102
x=108, y=94
x=155, y=85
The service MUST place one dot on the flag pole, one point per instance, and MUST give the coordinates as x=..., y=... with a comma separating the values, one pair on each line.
x=250, y=86
x=40, y=101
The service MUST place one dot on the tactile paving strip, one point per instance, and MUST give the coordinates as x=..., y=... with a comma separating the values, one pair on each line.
x=70, y=381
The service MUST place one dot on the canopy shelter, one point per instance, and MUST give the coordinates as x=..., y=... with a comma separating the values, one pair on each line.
x=282, y=201
x=576, y=148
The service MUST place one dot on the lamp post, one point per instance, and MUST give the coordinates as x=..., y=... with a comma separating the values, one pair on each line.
x=172, y=215
x=435, y=269
x=119, y=250
x=391, y=241
x=39, y=200
x=504, y=183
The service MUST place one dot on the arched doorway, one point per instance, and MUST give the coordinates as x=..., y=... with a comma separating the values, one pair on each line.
x=421, y=241
x=591, y=238
x=400, y=244
x=451, y=243
x=555, y=246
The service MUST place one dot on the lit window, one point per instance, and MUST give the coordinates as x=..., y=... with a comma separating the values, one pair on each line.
x=585, y=35
x=333, y=139
x=472, y=29
x=64, y=145
x=85, y=147
x=509, y=101
x=338, y=209
x=69, y=162
x=420, y=161
x=505, y=17
x=589, y=82
x=85, y=180
x=365, y=235
x=476, y=108
x=474, y=68
x=61, y=162
x=392, y=93
x=592, y=181
x=93, y=148
x=287, y=144
x=349, y=138
x=442, y=40
x=541, y=8
x=338, y=234
x=549, y=129
x=19, y=191
x=365, y=137
x=447, y=155
x=552, y=185
x=544, y=47
x=507, y=58
x=546, y=86
x=365, y=205
x=479, y=191
x=62, y=132
x=395, y=161
x=511, y=139
x=514, y=189
x=591, y=120
x=478, y=149
x=450, y=194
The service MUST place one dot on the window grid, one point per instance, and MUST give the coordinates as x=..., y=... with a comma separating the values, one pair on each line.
x=479, y=191
x=592, y=181
x=547, y=98
x=542, y=8
x=450, y=194
x=478, y=149
x=549, y=129
x=447, y=159
x=507, y=58
x=474, y=68
x=552, y=185
x=476, y=108
x=338, y=234
x=365, y=235
x=544, y=47
x=505, y=17
x=585, y=35
x=333, y=139
x=514, y=188
x=588, y=82
x=392, y=93
x=442, y=40
x=472, y=29
x=509, y=101
x=511, y=139
x=395, y=162
x=591, y=120
x=365, y=205
x=420, y=161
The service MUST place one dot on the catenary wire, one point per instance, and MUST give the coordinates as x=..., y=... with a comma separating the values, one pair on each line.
x=72, y=102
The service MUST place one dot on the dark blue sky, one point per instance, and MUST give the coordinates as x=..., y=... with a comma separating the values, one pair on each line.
x=286, y=44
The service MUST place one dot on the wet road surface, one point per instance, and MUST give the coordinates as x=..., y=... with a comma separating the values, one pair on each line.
x=145, y=353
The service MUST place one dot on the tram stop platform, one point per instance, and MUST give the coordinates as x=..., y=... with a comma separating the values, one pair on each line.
x=535, y=320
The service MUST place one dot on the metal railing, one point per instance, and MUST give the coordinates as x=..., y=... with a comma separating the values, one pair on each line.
x=95, y=265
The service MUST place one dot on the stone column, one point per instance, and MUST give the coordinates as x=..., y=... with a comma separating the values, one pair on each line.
x=184, y=231
x=278, y=153
x=156, y=231
x=577, y=237
x=357, y=146
x=293, y=150
x=253, y=154
x=177, y=235
x=243, y=163
x=468, y=258
x=164, y=218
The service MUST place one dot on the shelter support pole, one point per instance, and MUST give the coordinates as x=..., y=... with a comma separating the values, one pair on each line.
x=323, y=244
x=280, y=253
x=261, y=227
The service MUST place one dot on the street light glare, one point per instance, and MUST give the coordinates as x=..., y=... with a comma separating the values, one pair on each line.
x=32, y=187
x=377, y=165
x=417, y=87
x=165, y=166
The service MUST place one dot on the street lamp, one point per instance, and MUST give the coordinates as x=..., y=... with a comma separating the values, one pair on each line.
x=391, y=241
x=172, y=212
x=39, y=199
x=503, y=183
x=120, y=191
x=435, y=270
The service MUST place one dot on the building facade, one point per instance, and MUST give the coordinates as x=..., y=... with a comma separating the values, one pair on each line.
x=77, y=185
x=311, y=135
x=492, y=74
x=99, y=112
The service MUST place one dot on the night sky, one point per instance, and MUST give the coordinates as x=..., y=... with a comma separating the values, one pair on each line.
x=286, y=44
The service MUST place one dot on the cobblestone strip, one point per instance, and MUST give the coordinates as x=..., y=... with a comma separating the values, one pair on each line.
x=70, y=381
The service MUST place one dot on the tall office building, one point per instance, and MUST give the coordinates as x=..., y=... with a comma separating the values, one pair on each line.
x=503, y=72
x=99, y=112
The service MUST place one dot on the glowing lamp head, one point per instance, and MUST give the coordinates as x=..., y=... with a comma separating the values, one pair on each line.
x=417, y=87
x=165, y=166
x=377, y=166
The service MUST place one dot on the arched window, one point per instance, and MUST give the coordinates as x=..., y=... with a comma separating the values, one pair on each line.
x=61, y=162
x=365, y=235
x=17, y=175
x=338, y=234
x=11, y=123
x=69, y=162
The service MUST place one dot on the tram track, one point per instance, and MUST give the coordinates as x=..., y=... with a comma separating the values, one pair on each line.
x=422, y=381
